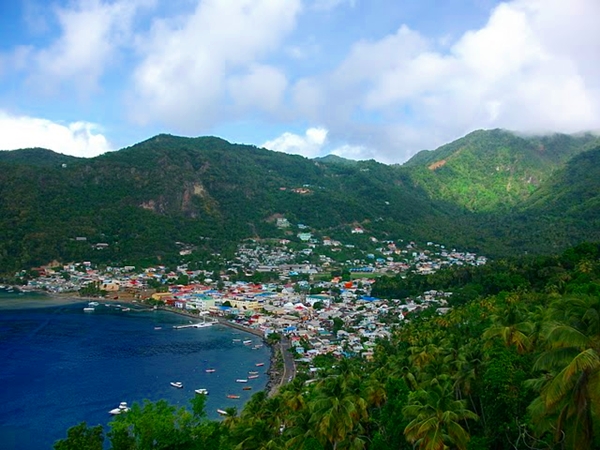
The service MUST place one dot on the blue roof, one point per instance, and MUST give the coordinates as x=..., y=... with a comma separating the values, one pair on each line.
x=369, y=299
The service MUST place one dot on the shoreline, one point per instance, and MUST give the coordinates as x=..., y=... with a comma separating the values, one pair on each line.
x=275, y=377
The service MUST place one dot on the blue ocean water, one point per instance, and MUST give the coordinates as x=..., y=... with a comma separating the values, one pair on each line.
x=60, y=366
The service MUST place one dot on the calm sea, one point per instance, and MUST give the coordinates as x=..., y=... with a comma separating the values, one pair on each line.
x=60, y=365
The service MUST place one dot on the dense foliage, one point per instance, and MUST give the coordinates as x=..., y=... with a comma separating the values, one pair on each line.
x=138, y=202
x=514, y=368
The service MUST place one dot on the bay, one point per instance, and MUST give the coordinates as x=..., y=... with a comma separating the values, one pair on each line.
x=61, y=366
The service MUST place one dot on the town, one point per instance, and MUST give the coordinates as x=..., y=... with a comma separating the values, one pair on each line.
x=315, y=292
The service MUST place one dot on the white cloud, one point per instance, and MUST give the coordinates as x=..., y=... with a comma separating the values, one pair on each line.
x=76, y=138
x=261, y=86
x=315, y=143
x=533, y=67
x=91, y=34
x=191, y=66
x=310, y=145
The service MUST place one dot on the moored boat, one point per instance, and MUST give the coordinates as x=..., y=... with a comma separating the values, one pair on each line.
x=222, y=412
x=201, y=391
x=247, y=342
x=177, y=384
x=251, y=377
x=122, y=408
x=210, y=370
x=260, y=364
x=247, y=388
x=233, y=396
x=241, y=380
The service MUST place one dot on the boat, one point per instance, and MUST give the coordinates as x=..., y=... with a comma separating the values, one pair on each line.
x=210, y=370
x=247, y=342
x=247, y=388
x=253, y=372
x=237, y=340
x=122, y=408
x=260, y=364
x=222, y=412
x=89, y=309
x=158, y=328
x=241, y=380
x=232, y=396
x=251, y=377
x=201, y=391
x=177, y=384
x=126, y=309
x=93, y=304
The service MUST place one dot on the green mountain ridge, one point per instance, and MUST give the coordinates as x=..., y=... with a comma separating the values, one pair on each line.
x=490, y=170
x=209, y=193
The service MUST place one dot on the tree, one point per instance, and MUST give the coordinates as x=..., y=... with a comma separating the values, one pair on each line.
x=336, y=411
x=436, y=418
x=570, y=382
x=82, y=437
x=511, y=326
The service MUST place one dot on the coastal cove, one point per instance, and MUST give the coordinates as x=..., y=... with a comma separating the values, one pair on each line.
x=62, y=366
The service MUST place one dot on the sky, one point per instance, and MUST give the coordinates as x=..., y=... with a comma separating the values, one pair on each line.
x=361, y=79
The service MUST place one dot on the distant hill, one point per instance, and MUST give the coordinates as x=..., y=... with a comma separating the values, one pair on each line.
x=495, y=193
x=488, y=170
x=35, y=157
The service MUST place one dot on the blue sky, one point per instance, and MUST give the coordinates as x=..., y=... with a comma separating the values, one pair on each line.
x=361, y=79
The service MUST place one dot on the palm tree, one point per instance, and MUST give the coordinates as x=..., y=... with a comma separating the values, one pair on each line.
x=570, y=383
x=510, y=325
x=336, y=411
x=300, y=431
x=436, y=418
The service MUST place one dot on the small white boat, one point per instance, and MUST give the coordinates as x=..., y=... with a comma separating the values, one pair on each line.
x=201, y=391
x=126, y=309
x=222, y=412
x=89, y=309
x=210, y=370
x=177, y=384
x=247, y=342
x=237, y=340
x=251, y=377
x=260, y=364
x=241, y=380
x=93, y=304
x=122, y=408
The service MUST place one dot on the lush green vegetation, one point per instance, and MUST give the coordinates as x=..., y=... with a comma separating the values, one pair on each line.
x=515, y=367
x=210, y=194
x=491, y=170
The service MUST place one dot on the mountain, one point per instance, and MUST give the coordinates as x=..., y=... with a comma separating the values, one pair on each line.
x=496, y=169
x=142, y=202
x=139, y=201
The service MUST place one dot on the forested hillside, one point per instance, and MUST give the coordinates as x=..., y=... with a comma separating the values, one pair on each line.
x=208, y=193
x=490, y=170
